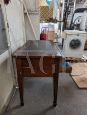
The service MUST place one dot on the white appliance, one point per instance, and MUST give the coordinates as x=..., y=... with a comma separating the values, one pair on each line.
x=74, y=43
x=79, y=19
x=83, y=25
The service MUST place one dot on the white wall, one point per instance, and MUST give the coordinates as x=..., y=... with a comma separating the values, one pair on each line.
x=35, y=20
x=15, y=39
x=15, y=21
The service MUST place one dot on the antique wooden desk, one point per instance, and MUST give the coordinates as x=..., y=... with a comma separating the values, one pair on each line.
x=38, y=59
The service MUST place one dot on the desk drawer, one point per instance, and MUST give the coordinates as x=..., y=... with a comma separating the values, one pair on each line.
x=27, y=72
x=26, y=62
x=38, y=67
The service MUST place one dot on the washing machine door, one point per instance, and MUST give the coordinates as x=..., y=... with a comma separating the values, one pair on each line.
x=75, y=44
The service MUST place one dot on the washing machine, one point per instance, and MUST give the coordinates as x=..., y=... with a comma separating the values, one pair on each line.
x=74, y=43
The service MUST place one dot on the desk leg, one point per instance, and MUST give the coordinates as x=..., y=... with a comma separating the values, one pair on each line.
x=21, y=85
x=55, y=88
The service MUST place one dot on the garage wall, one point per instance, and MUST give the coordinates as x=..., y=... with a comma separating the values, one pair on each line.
x=33, y=7
x=13, y=15
x=15, y=21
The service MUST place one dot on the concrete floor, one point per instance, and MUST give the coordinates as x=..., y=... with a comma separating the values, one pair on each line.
x=6, y=83
x=38, y=98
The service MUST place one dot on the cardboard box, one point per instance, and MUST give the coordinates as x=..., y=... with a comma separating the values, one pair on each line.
x=51, y=35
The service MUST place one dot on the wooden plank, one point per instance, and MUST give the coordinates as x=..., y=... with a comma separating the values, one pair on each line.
x=79, y=74
x=81, y=81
